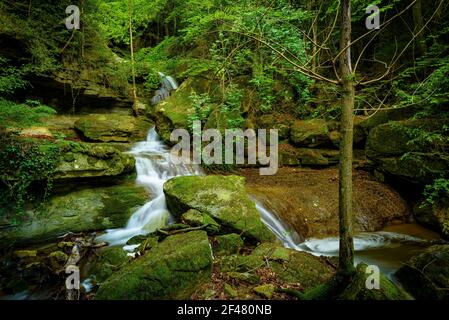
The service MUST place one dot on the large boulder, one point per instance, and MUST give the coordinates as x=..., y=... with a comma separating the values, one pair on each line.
x=173, y=269
x=86, y=160
x=394, y=146
x=358, y=290
x=306, y=157
x=426, y=276
x=310, y=133
x=112, y=127
x=307, y=200
x=84, y=210
x=221, y=197
x=434, y=216
x=281, y=122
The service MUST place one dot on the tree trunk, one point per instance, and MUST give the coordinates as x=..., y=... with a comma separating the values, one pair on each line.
x=346, y=253
x=133, y=71
x=418, y=21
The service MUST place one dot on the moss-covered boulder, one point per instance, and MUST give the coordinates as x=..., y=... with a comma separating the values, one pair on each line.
x=173, y=269
x=223, y=198
x=426, y=276
x=395, y=148
x=310, y=133
x=174, y=112
x=84, y=210
x=358, y=290
x=227, y=244
x=434, y=216
x=112, y=127
x=85, y=160
x=196, y=218
x=290, y=266
x=281, y=122
x=109, y=261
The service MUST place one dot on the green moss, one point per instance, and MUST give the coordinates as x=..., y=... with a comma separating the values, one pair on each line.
x=109, y=260
x=223, y=198
x=228, y=244
x=171, y=270
x=195, y=218
x=357, y=289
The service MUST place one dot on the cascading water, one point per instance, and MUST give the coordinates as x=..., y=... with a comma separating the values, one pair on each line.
x=154, y=168
x=168, y=84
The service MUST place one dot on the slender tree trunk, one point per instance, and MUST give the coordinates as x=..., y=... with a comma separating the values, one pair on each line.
x=346, y=254
x=418, y=21
x=133, y=70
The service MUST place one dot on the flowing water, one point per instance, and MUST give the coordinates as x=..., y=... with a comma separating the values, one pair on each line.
x=168, y=84
x=385, y=249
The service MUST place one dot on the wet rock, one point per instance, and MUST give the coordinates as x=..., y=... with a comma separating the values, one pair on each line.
x=307, y=200
x=171, y=270
x=426, y=275
x=221, y=197
x=79, y=211
x=25, y=253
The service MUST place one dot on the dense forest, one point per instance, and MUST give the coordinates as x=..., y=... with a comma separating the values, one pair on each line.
x=356, y=94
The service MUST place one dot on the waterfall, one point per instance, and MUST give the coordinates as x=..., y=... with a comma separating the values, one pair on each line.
x=154, y=168
x=168, y=84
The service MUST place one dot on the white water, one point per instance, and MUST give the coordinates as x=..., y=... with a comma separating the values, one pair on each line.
x=168, y=84
x=154, y=168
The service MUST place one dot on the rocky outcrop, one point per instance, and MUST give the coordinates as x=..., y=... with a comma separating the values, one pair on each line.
x=310, y=133
x=112, y=128
x=434, y=216
x=308, y=200
x=173, y=269
x=85, y=160
x=221, y=197
x=426, y=275
x=393, y=148
x=79, y=211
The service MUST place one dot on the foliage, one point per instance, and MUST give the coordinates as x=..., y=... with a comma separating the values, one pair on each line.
x=437, y=190
x=23, y=115
x=22, y=163
x=202, y=109
x=10, y=78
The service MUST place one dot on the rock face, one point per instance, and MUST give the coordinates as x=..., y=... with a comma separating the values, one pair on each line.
x=389, y=145
x=221, y=197
x=308, y=200
x=426, y=276
x=112, y=128
x=435, y=216
x=85, y=160
x=310, y=133
x=173, y=269
x=281, y=122
x=85, y=210
x=357, y=289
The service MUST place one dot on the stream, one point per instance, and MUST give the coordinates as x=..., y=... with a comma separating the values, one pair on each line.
x=387, y=250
